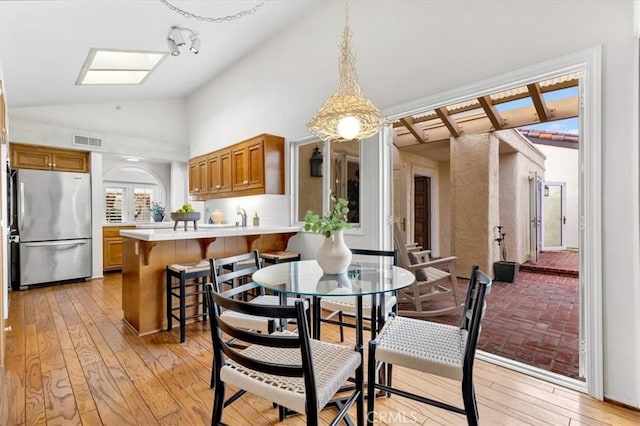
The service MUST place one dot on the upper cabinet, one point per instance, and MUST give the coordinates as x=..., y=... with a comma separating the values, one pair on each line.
x=251, y=167
x=219, y=172
x=44, y=158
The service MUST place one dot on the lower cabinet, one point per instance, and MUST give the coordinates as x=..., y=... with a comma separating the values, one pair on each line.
x=112, y=247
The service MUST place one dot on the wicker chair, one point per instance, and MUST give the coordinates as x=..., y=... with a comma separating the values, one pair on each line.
x=236, y=271
x=439, y=349
x=290, y=370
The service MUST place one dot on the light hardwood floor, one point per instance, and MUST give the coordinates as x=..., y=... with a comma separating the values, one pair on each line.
x=71, y=360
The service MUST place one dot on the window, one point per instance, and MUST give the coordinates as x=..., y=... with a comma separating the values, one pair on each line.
x=129, y=204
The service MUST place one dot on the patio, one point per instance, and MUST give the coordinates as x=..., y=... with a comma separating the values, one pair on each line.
x=535, y=319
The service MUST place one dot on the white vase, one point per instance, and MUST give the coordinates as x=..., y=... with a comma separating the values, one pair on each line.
x=334, y=256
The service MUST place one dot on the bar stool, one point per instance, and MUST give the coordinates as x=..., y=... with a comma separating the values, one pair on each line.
x=191, y=285
x=279, y=256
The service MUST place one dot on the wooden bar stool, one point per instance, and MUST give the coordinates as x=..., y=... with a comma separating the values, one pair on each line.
x=279, y=256
x=189, y=291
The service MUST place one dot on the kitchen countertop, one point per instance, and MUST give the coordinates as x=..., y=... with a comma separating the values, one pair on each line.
x=205, y=231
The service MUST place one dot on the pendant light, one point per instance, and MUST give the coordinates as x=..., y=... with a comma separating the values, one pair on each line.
x=347, y=115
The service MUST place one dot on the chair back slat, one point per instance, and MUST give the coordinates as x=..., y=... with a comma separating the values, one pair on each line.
x=223, y=349
x=223, y=269
x=377, y=253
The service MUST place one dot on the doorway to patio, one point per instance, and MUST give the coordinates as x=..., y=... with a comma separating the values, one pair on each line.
x=423, y=139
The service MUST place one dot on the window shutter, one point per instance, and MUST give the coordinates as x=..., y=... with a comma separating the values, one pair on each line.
x=142, y=198
x=114, y=204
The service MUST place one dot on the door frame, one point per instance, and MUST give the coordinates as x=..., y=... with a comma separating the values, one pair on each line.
x=588, y=63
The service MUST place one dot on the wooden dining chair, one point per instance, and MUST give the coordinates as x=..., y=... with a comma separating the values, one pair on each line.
x=235, y=271
x=439, y=349
x=288, y=369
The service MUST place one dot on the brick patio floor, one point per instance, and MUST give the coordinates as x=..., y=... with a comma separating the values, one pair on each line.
x=535, y=319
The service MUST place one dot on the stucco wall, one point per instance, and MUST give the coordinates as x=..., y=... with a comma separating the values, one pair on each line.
x=562, y=166
x=474, y=207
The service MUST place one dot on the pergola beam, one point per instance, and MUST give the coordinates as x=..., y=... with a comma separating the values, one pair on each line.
x=408, y=123
x=538, y=102
x=449, y=122
x=491, y=111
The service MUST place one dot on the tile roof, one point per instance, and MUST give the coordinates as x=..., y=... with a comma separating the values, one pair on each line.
x=553, y=136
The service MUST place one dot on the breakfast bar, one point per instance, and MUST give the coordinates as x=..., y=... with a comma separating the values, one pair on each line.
x=147, y=252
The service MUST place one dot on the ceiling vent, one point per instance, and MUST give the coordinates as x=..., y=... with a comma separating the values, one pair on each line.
x=87, y=141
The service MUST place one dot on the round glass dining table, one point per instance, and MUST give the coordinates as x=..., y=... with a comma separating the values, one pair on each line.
x=305, y=278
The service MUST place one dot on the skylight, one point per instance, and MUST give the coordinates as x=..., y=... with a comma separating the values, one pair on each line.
x=111, y=66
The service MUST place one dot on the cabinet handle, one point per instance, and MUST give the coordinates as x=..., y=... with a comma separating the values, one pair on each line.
x=49, y=164
x=54, y=164
x=218, y=186
x=244, y=182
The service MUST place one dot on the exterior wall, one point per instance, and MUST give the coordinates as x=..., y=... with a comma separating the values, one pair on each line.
x=562, y=166
x=474, y=207
x=445, y=191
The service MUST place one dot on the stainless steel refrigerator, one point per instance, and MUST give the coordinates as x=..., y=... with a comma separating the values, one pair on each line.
x=51, y=217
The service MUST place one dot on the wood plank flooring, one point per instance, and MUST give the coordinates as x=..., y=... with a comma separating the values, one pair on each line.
x=70, y=360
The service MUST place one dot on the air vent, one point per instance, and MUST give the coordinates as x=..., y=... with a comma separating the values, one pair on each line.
x=87, y=141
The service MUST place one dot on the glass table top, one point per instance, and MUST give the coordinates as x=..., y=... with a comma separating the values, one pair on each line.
x=307, y=279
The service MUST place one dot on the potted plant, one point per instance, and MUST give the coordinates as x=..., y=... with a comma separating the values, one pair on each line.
x=503, y=270
x=333, y=256
x=157, y=211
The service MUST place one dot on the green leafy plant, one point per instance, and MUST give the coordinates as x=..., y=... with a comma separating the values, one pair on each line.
x=334, y=220
x=157, y=208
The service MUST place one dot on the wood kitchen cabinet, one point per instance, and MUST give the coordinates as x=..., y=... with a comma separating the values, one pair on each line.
x=44, y=158
x=219, y=171
x=251, y=167
x=198, y=176
x=112, y=247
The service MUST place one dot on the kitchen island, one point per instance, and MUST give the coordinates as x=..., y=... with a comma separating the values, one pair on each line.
x=147, y=252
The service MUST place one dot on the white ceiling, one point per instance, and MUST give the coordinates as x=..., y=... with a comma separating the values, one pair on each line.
x=43, y=44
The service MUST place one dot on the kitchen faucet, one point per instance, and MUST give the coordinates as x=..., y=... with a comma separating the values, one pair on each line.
x=243, y=214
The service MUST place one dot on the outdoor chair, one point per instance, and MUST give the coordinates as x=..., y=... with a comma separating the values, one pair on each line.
x=435, y=279
x=288, y=369
x=439, y=349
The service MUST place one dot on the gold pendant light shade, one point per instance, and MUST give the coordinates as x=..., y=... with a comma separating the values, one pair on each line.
x=347, y=114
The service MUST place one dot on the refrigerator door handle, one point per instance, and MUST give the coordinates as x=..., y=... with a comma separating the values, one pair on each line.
x=21, y=215
x=55, y=243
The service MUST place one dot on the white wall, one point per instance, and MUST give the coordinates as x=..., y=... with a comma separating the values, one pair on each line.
x=562, y=166
x=163, y=120
x=447, y=45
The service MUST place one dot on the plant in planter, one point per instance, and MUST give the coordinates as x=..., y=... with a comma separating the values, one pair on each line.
x=333, y=256
x=503, y=270
x=157, y=211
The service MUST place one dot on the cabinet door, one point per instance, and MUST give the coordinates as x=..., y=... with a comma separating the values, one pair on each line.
x=70, y=162
x=255, y=165
x=202, y=176
x=22, y=158
x=226, y=174
x=194, y=176
x=112, y=253
x=239, y=163
x=213, y=174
